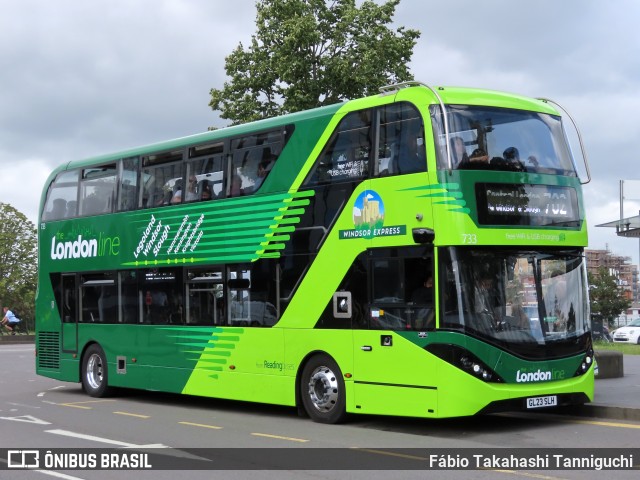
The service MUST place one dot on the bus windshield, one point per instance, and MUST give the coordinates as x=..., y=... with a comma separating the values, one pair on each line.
x=516, y=297
x=486, y=138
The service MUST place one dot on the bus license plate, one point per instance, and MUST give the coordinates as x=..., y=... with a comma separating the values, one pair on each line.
x=538, y=402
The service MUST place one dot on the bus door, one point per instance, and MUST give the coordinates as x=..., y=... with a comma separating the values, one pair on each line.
x=390, y=374
x=68, y=312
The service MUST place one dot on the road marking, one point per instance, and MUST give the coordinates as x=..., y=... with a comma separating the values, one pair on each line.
x=74, y=406
x=132, y=414
x=604, y=424
x=525, y=474
x=92, y=438
x=82, y=436
x=45, y=472
x=57, y=474
x=214, y=427
x=42, y=394
x=81, y=404
x=391, y=454
x=27, y=419
x=23, y=405
x=291, y=439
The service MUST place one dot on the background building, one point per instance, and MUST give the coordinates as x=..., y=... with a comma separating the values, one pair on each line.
x=626, y=275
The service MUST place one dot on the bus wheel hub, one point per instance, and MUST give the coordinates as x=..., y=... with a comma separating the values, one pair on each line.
x=323, y=389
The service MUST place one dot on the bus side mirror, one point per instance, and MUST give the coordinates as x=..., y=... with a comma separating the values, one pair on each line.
x=423, y=235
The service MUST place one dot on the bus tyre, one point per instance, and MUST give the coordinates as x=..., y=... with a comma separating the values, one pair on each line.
x=322, y=390
x=94, y=372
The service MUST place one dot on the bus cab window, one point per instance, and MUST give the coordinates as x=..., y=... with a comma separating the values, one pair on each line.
x=403, y=293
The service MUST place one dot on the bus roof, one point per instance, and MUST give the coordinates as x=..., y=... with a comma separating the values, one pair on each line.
x=449, y=95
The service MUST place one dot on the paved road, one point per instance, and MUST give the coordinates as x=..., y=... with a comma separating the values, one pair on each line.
x=37, y=412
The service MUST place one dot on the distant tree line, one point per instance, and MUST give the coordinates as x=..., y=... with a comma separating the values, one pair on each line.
x=18, y=263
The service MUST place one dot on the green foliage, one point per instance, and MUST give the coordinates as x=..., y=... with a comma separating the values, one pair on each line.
x=607, y=298
x=18, y=262
x=624, y=348
x=310, y=53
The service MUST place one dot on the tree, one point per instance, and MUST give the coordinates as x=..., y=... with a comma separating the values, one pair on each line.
x=309, y=53
x=607, y=299
x=18, y=262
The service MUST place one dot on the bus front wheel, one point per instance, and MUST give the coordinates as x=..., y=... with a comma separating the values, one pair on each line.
x=94, y=372
x=322, y=390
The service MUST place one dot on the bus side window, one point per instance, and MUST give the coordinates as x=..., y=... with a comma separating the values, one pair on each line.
x=161, y=291
x=161, y=177
x=205, y=297
x=98, y=298
x=129, y=298
x=346, y=156
x=128, y=184
x=98, y=189
x=205, y=178
x=253, y=158
x=401, y=147
x=63, y=190
x=252, y=294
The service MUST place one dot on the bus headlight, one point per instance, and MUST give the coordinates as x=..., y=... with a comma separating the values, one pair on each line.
x=464, y=360
x=585, y=364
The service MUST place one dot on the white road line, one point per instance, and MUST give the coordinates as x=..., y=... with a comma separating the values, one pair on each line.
x=58, y=475
x=27, y=418
x=42, y=394
x=45, y=472
x=82, y=436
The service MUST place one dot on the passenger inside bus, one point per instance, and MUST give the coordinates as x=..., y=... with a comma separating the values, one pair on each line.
x=478, y=159
x=206, y=191
x=59, y=209
x=424, y=293
x=177, y=193
x=192, y=193
x=236, y=186
x=411, y=157
x=72, y=209
x=458, y=152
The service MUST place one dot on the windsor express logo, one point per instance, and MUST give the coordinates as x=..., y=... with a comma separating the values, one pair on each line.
x=83, y=245
x=368, y=219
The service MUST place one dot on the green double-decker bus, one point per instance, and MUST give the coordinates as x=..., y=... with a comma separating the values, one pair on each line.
x=417, y=253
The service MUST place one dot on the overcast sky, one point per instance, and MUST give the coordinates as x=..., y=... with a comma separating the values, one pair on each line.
x=86, y=78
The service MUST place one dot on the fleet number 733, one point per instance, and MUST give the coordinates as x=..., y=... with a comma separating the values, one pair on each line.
x=469, y=238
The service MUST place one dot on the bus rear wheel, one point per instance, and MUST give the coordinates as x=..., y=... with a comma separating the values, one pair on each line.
x=322, y=390
x=95, y=378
